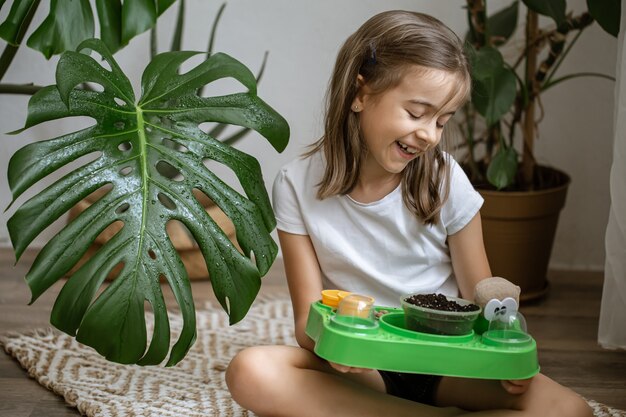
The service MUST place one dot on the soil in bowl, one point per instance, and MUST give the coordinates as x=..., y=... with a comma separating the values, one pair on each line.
x=439, y=302
x=438, y=314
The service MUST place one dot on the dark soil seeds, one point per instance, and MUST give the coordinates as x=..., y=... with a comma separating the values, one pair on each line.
x=439, y=302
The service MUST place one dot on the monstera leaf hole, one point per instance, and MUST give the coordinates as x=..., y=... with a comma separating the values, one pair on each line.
x=98, y=88
x=166, y=201
x=175, y=145
x=100, y=60
x=181, y=237
x=169, y=171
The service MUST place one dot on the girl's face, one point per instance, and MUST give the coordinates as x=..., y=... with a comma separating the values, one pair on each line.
x=401, y=123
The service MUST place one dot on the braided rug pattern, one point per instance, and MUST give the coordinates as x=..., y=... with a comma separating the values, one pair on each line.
x=193, y=388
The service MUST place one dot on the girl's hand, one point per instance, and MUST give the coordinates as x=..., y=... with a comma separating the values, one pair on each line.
x=516, y=386
x=348, y=369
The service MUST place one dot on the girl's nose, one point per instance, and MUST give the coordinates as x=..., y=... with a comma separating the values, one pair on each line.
x=427, y=135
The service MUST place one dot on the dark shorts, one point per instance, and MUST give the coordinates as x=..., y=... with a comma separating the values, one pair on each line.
x=414, y=387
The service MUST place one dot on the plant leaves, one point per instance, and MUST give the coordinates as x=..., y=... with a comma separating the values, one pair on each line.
x=110, y=18
x=68, y=23
x=128, y=142
x=607, y=13
x=494, y=95
x=14, y=23
x=141, y=15
x=486, y=62
x=503, y=167
x=552, y=8
x=138, y=16
x=501, y=25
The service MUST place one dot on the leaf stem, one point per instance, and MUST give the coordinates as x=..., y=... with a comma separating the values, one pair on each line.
x=10, y=50
x=27, y=89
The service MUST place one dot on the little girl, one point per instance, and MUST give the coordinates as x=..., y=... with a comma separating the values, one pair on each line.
x=377, y=208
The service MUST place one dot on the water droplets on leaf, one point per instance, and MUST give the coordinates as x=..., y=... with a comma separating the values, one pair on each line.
x=119, y=101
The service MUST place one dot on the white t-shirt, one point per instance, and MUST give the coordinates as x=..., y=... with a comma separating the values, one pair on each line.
x=379, y=249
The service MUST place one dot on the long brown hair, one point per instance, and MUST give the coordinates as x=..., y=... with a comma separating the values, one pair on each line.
x=381, y=50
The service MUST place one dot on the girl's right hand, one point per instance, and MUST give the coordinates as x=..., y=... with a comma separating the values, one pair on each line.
x=348, y=369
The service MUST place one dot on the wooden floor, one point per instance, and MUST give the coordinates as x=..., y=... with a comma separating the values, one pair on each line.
x=564, y=325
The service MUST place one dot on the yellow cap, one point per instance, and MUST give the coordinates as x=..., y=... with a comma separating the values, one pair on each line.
x=331, y=298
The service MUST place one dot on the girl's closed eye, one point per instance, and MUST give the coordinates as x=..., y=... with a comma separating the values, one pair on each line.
x=414, y=116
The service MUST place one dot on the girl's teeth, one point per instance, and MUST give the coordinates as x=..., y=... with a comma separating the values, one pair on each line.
x=407, y=148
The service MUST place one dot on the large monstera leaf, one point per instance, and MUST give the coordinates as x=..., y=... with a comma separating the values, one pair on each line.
x=131, y=142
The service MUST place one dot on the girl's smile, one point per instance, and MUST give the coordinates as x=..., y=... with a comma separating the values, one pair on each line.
x=403, y=122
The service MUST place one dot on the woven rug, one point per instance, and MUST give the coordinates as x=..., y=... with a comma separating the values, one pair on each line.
x=193, y=388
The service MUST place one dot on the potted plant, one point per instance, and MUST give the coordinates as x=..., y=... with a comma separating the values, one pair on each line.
x=522, y=199
x=130, y=139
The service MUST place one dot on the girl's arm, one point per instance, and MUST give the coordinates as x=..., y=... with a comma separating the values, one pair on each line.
x=469, y=259
x=304, y=279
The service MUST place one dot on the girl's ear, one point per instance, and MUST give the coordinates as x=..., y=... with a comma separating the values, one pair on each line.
x=362, y=91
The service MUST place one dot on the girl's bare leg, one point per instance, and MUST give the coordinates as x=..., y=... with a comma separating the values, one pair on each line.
x=544, y=397
x=291, y=381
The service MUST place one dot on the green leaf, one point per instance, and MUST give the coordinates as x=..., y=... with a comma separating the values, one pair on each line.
x=68, y=23
x=502, y=24
x=607, y=13
x=110, y=18
x=163, y=5
x=494, y=95
x=127, y=142
x=15, y=21
x=486, y=62
x=137, y=17
x=552, y=8
x=503, y=167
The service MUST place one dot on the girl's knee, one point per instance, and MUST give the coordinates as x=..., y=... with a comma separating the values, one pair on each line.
x=571, y=405
x=549, y=398
x=248, y=371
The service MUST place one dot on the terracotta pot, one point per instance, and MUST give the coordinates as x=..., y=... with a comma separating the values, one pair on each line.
x=181, y=239
x=519, y=229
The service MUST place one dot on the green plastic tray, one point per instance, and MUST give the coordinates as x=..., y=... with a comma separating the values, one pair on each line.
x=391, y=347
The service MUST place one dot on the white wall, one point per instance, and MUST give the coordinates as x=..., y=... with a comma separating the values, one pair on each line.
x=303, y=38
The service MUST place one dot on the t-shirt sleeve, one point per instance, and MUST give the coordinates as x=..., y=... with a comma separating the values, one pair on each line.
x=463, y=201
x=286, y=205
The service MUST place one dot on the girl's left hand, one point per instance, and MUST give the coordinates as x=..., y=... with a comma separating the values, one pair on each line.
x=516, y=386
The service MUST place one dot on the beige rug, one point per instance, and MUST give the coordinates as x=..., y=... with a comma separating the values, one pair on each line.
x=193, y=388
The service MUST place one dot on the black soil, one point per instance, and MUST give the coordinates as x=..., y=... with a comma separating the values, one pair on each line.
x=439, y=302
